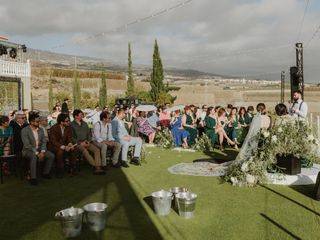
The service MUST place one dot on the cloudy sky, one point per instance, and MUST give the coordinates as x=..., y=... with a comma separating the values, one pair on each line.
x=250, y=38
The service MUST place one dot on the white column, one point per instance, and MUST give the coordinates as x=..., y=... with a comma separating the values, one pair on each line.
x=26, y=87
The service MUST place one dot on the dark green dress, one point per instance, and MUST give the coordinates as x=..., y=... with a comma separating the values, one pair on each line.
x=243, y=131
x=193, y=132
x=210, y=124
x=235, y=129
x=248, y=118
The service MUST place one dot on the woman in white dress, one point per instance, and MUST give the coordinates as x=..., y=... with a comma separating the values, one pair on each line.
x=260, y=121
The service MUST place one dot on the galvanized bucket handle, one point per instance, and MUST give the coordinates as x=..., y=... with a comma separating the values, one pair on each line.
x=58, y=215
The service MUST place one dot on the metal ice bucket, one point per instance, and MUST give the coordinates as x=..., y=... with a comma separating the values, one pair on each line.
x=95, y=214
x=175, y=191
x=186, y=203
x=162, y=202
x=71, y=221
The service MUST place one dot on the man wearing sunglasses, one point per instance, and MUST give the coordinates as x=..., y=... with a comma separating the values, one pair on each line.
x=60, y=143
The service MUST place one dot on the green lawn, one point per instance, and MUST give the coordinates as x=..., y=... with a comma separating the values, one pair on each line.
x=222, y=211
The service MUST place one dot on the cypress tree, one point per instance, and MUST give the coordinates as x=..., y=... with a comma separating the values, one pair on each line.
x=130, y=83
x=50, y=103
x=103, y=91
x=157, y=77
x=76, y=90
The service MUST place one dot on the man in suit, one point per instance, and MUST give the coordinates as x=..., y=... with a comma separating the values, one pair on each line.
x=35, y=148
x=60, y=143
x=121, y=136
x=17, y=125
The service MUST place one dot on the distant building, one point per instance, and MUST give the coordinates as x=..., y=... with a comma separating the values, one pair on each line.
x=16, y=71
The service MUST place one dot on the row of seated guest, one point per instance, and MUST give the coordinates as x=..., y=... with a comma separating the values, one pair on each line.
x=219, y=127
x=67, y=140
x=148, y=123
x=184, y=129
x=106, y=134
x=229, y=126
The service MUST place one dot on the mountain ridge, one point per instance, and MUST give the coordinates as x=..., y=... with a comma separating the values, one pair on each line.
x=93, y=63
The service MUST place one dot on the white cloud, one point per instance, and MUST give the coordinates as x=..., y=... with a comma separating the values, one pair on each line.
x=201, y=35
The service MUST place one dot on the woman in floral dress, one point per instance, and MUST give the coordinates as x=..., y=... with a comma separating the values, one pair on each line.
x=145, y=128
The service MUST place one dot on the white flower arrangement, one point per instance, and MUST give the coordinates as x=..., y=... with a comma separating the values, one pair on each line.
x=310, y=138
x=250, y=179
x=289, y=138
x=265, y=133
x=244, y=167
x=234, y=180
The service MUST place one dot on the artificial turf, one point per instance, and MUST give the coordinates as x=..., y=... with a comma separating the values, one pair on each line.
x=222, y=211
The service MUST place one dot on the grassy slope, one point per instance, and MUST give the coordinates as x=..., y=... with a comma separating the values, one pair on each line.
x=222, y=211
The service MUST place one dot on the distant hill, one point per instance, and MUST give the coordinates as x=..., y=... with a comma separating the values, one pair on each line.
x=90, y=63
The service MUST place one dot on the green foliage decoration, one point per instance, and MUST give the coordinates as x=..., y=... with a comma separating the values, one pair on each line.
x=164, y=139
x=203, y=144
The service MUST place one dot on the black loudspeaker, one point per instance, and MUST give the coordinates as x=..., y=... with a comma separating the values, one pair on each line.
x=317, y=188
x=294, y=80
